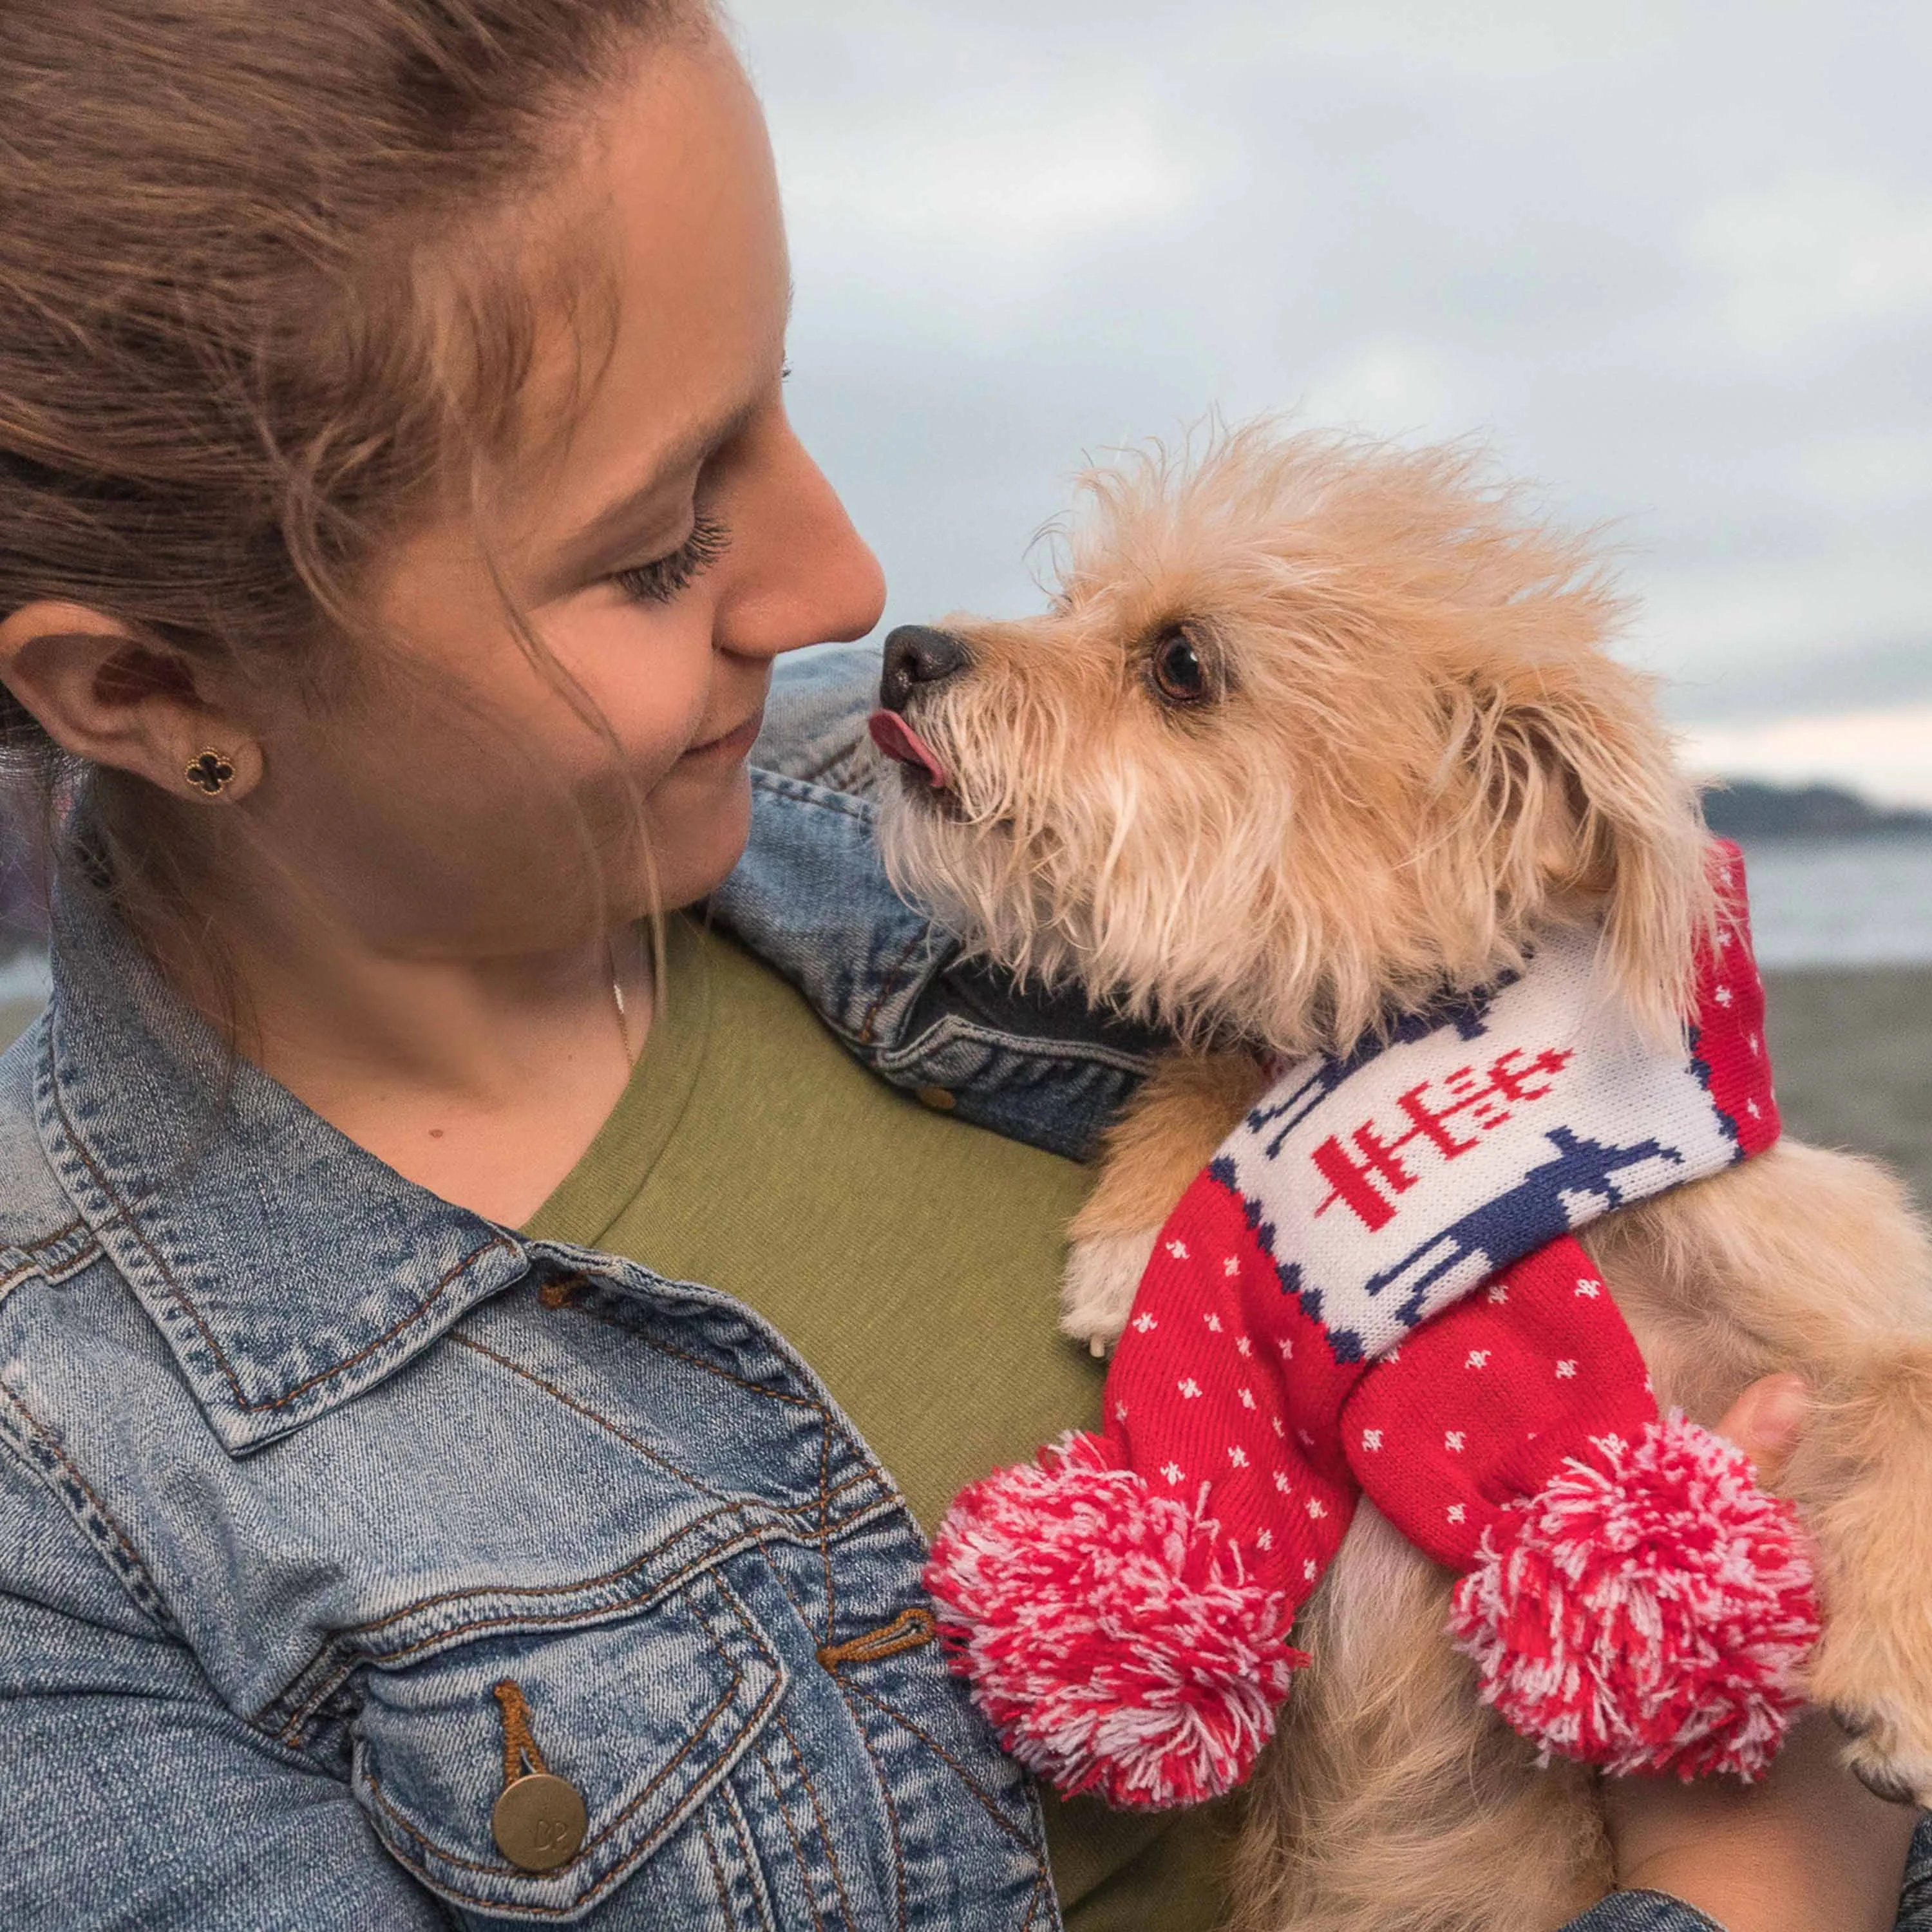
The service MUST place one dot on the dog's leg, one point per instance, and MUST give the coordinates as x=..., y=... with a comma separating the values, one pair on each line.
x=1166, y=1137
x=1392, y=1801
x=1813, y=1262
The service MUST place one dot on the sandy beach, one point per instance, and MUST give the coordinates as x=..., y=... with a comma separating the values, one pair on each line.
x=1852, y=1048
x=1853, y=1054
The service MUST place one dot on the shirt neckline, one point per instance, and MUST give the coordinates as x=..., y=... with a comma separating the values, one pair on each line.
x=608, y=1173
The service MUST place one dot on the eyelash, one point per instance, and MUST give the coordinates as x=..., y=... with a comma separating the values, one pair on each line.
x=663, y=581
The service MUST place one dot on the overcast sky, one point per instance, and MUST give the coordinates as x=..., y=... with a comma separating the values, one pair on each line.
x=1673, y=260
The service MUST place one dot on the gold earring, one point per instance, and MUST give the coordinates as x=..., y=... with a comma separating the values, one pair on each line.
x=211, y=773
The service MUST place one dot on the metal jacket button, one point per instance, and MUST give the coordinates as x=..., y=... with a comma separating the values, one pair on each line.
x=539, y=1821
x=936, y=1098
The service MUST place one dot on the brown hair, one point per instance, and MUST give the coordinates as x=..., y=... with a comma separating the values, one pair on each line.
x=233, y=353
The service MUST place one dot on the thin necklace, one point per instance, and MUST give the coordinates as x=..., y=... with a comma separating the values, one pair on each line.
x=617, y=1001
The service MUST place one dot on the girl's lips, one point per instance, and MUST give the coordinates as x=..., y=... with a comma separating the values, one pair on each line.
x=900, y=742
x=734, y=744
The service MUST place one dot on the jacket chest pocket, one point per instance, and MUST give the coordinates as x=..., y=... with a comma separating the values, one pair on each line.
x=524, y=1766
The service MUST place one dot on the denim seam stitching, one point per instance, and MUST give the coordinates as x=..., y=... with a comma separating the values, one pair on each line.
x=24, y=1257
x=753, y=1720
x=32, y=1264
x=1041, y=1884
x=885, y=1792
x=290, y=1731
x=818, y=1812
x=613, y=1321
x=822, y=1503
x=971, y=1033
x=820, y=798
x=797, y=1848
x=59, y=1234
x=747, y=1850
x=156, y=1609
x=605, y=1422
x=717, y=1872
x=125, y=1215
x=738, y=1508
x=878, y=1769
x=388, y=1335
x=729, y=1917
x=432, y=1847
x=889, y=986
x=987, y=1802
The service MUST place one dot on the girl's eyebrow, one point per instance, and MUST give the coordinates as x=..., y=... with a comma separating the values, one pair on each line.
x=607, y=530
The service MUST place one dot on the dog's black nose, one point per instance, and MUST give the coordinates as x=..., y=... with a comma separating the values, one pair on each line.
x=916, y=656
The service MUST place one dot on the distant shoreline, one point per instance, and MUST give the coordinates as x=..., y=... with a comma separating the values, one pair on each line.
x=1745, y=808
x=1906, y=829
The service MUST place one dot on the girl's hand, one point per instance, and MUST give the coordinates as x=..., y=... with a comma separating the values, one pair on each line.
x=1808, y=1845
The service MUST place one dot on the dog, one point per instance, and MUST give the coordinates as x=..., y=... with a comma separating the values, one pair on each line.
x=1314, y=729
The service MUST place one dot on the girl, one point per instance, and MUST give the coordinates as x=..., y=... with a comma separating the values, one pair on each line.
x=398, y=522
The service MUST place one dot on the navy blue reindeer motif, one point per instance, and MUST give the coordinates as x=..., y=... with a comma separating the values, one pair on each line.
x=1468, y=1016
x=1581, y=1182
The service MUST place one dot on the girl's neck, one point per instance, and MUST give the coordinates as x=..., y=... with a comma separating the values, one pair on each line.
x=481, y=1077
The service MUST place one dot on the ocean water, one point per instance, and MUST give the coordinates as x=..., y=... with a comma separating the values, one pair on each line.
x=1814, y=902
x=1841, y=901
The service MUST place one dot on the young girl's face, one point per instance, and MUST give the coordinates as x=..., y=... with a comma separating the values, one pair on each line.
x=682, y=540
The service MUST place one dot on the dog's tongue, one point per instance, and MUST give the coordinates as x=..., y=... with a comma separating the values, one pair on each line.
x=897, y=739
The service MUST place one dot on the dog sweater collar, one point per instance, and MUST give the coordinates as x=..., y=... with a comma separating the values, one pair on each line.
x=1310, y=1326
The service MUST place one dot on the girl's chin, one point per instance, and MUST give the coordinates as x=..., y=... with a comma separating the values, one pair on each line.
x=699, y=832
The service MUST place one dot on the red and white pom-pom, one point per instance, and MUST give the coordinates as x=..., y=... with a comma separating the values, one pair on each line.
x=1115, y=1649
x=1649, y=1612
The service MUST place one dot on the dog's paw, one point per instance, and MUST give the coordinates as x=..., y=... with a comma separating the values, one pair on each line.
x=1888, y=1755
x=1097, y=1290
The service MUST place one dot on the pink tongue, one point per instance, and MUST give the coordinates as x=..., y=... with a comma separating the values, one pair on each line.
x=897, y=739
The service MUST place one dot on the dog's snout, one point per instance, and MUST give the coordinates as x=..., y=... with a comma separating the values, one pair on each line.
x=917, y=656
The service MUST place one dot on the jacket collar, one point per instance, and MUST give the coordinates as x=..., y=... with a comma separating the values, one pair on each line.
x=288, y=1270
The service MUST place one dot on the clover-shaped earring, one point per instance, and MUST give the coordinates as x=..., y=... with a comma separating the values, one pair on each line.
x=211, y=773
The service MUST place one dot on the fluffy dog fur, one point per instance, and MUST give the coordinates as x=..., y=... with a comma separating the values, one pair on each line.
x=1411, y=753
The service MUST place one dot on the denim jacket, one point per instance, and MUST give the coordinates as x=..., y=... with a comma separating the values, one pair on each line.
x=330, y=1514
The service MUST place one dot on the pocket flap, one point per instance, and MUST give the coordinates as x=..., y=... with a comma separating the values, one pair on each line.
x=641, y=1712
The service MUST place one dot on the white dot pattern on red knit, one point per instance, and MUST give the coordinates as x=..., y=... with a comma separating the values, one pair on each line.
x=1223, y=1431
x=1473, y=1410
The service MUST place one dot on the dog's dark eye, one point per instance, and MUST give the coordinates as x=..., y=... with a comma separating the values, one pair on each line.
x=1178, y=673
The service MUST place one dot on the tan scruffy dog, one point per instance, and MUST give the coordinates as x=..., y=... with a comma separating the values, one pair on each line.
x=1313, y=730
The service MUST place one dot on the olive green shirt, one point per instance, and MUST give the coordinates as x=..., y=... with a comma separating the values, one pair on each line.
x=911, y=1258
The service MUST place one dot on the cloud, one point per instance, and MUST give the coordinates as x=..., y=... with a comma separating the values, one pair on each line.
x=1887, y=754
x=1011, y=192
x=1814, y=256
x=1721, y=624
x=1671, y=258
x=1386, y=383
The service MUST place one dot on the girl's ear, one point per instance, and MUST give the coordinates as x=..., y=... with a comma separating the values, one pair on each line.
x=1587, y=806
x=104, y=693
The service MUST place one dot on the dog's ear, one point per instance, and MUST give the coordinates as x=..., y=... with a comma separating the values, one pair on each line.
x=1581, y=807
